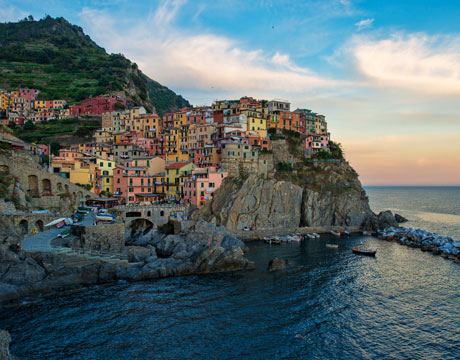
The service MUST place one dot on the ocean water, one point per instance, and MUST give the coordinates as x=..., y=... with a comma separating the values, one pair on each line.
x=327, y=304
x=436, y=209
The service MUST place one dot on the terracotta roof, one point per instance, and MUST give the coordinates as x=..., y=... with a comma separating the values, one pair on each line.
x=177, y=165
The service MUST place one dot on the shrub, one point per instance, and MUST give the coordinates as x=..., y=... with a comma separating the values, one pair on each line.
x=284, y=166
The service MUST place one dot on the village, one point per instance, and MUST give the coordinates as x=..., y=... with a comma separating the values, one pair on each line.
x=181, y=157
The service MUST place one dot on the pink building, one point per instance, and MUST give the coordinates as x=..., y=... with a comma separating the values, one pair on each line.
x=202, y=185
x=131, y=184
x=97, y=105
x=30, y=94
x=315, y=143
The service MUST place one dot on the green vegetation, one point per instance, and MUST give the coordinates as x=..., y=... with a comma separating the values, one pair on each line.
x=336, y=150
x=53, y=130
x=284, y=166
x=58, y=59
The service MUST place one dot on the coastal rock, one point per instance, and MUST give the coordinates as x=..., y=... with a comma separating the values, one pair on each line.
x=327, y=194
x=5, y=340
x=386, y=219
x=137, y=253
x=400, y=219
x=277, y=264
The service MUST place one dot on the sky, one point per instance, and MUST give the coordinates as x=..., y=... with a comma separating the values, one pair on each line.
x=386, y=74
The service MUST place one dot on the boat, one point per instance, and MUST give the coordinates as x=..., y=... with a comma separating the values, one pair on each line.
x=104, y=217
x=346, y=233
x=364, y=252
x=275, y=240
x=335, y=233
x=64, y=234
x=332, y=246
x=316, y=235
x=367, y=232
x=60, y=222
x=311, y=236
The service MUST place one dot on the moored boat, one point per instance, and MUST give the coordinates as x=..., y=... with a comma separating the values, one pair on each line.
x=310, y=236
x=364, y=252
x=316, y=235
x=332, y=246
x=335, y=233
x=104, y=217
x=274, y=240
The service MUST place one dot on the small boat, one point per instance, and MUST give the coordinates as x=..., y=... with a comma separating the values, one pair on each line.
x=367, y=232
x=332, y=246
x=104, y=217
x=335, y=233
x=60, y=222
x=364, y=252
x=346, y=233
x=316, y=235
x=64, y=234
x=311, y=236
x=275, y=240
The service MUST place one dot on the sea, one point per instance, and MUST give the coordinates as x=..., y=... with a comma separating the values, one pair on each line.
x=327, y=304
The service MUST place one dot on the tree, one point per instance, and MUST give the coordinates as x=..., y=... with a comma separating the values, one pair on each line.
x=29, y=126
x=12, y=125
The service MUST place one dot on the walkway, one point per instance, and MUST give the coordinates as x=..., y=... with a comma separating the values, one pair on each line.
x=42, y=241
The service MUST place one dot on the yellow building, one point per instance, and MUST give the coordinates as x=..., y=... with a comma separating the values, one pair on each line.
x=257, y=122
x=175, y=174
x=84, y=173
x=177, y=145
x=106, y=168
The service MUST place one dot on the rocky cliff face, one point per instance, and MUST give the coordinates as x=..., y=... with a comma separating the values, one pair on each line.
x=312, y=194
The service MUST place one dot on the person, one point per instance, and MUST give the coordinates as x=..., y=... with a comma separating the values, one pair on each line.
x=18, y=246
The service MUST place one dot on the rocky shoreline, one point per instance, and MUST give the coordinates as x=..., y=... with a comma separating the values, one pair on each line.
x=204, y=248
x=424, y=240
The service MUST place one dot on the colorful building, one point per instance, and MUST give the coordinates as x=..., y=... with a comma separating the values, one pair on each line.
x=200, y=187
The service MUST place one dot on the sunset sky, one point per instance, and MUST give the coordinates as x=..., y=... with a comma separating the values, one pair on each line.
x=386, y=74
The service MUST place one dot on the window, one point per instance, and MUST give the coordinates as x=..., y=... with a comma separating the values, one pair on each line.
x=202, y=193
x=107, y=180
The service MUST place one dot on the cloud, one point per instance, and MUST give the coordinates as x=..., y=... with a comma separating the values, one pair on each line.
x=11, y=13
x=423, y=63
x=198, y=61
x=364, y=24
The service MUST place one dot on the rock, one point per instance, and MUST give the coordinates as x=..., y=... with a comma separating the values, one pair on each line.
x=277, y=264
x=137, y=253
x=5, y=340
x=400, y=219
x=268, y=203
x=386, y=219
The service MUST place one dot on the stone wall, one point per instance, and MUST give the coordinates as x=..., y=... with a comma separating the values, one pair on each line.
x=41, y=188
x=156, y=214
x=108, y=238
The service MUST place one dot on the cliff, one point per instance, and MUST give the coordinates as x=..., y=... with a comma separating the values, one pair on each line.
x=313, y=193
x=58, y=59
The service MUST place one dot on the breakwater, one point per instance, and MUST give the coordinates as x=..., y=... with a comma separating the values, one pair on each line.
x=423, y=239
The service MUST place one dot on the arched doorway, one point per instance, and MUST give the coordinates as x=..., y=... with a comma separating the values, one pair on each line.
x=140, y=226
x=40, y=226
x=59, y=187
x=46, y=187
x=33, y=186
x=24, y=227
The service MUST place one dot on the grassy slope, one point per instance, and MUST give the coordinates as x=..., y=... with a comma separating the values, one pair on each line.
x=60, y=60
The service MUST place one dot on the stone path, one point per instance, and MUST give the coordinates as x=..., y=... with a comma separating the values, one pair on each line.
x=42, y=241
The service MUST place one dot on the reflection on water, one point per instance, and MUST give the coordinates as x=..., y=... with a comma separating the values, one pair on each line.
x=329, y=304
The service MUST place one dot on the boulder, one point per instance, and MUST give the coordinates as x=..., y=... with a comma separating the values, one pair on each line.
x=137, y=253
x=277, y=264
x=386, y=219
x=5, y=340
x=400, y=219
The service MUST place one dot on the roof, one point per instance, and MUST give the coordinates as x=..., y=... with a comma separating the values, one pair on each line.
x=177, y=165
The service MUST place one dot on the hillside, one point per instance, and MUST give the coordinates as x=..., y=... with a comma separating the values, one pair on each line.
x=57, y=58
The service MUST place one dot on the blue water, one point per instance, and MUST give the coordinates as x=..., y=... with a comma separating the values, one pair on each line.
x=436, y=209
x=329, y=304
